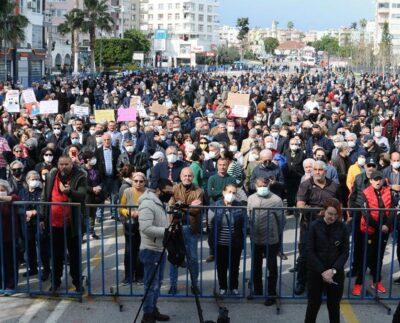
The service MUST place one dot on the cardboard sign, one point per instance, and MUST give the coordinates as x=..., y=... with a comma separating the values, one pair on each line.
x=104, y=115
x=11, y=102
x=48, y=107
x=29, y=96
x=159, y=109
x=142, y=112
x=239, y=104
x=81, y=111
x=136, y=101
x=126, y=114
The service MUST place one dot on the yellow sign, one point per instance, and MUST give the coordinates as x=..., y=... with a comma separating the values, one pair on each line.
x=104, y=115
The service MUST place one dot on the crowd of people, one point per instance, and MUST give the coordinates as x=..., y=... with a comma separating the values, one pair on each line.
x=312, y=139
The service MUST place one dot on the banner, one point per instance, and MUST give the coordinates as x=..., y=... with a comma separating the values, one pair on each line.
x=11, y=102
x=126, y=114
x=239, y=104
x=48, y=107
x=104, y=115
x=159, y=109
x=81, y=111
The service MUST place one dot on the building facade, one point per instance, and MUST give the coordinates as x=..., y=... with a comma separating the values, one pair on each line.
x=228, y=36
x=388, y=11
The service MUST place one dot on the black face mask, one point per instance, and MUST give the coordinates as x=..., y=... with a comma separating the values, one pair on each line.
x=165, y=196
x=17, y=172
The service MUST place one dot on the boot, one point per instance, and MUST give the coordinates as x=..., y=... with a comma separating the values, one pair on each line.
x=160, y=317
x=148, y=318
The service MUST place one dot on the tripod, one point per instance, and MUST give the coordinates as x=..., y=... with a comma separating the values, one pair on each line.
x=194, y=288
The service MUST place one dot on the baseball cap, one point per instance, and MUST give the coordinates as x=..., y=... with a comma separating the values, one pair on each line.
x=370, y=161
x=376, y=175
x=157, y=155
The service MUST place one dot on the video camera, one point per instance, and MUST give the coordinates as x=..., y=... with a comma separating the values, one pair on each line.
x=177, y=210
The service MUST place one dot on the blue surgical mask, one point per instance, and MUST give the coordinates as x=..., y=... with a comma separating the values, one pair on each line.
x=263, y=191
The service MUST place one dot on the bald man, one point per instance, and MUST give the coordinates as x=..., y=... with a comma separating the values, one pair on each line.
x=187, y=193
x=270, y=170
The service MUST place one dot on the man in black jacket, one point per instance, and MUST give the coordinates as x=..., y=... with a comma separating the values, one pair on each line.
x=356, y=200
x=66, y=183
x=107, y=158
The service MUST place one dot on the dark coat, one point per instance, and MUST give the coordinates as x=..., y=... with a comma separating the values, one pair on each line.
x=101, y=164
x=161, y=171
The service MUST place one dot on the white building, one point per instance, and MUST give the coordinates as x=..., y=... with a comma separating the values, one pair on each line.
x=388, y=11
x=228, y=36
x=190, y=25
x=31, y=53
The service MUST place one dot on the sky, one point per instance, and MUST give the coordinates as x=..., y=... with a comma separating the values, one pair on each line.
x=306, y=14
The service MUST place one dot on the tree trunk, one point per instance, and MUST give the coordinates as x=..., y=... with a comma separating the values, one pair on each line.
x=72, y=49
x=76, y=50
x=14, y=64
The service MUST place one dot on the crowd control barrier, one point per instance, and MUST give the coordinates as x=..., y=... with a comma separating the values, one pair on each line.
x=47, y=249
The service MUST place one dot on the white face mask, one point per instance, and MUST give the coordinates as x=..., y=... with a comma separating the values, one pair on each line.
x=163, y=138
x=133, y=129
x=294, y=147
x=269, y=145
x=396, y=165
x=233, y=149
x=275, y=134
x=99, y=140
x=337, y=144
x=361, y=161
x=172, y=158
x=378, y=134
x=48, y=159
x=34, y=183
x=155, y=162
x=129, y=149
x=3, y=194
x=231, y=129
x=229, y=197
x=75, y=141
x=263, y=191
x=57, y=131
x=212, y=154
x=124, y=132
x=351, y=144
x=92, y=162
x=92, y=132
x=253, y=157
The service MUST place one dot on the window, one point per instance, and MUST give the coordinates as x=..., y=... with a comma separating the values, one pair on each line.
x=209, y=29
x=201, y=7
x=201, y=17
x=150, y=7
x=134, y=17
x=169, y=6
x=170, y=16
x=133, y=8
x=383, y=5
x=209, y=18
x=37, y=39
x=160, y=16
x=396, y=16
x=177, y=16
x=201, y=28
x=209, y=8
x=150, y=17
x=169, y=27
x=396, y=5
x=160, y=26
x=177, y=6
x=160, y=6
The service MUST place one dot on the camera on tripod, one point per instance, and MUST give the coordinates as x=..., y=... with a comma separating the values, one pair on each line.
x=177, y=210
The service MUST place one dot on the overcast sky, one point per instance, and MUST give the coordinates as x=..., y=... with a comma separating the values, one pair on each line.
x=306, y=14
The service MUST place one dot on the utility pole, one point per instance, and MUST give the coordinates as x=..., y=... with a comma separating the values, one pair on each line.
x=76, y=45
x=49, y=26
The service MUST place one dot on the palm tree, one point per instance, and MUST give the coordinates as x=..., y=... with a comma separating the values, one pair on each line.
x=12, y=31
x=73, y=22
x=96, y=17
x=290, y=25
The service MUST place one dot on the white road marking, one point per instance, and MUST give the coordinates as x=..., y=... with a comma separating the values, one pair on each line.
x=31, y=311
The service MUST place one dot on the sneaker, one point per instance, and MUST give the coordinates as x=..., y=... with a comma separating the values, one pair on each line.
x=160, y=317
x=300, y=288
x=173, y=290
x=210, y=258
x=235, y=292
x=357, y=290
x=379, y=287
x=148, y=318
x=396, y=281
x=222, y=292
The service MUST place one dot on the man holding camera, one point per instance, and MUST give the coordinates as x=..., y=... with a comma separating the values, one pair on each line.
x=188, y=194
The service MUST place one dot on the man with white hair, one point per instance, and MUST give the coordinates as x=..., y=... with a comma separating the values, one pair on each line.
x=308, y=165
x=210, y=164
x=380, y=140
x=354, y=146
x=312, y=193
x=246, y=143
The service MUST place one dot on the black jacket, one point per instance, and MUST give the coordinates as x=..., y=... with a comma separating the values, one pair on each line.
x=101, y=164
x=356, y=199
x=327, y=246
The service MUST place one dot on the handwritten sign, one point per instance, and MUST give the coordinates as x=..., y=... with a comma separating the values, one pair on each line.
x=159, y=109
x=136, y=101
x=239, y=104
x=48, y=107
x=81, y=111
x=11, y=102
x=104, y=115
x=126, y=114
x=29, y=96
x=142, y=112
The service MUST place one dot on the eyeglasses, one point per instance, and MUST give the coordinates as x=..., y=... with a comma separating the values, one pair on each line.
x=18, y=151
x=138, y=181
x=203, y=142
x=56, y=128
x=48, y=154
x=14, y=169
x=371, y=165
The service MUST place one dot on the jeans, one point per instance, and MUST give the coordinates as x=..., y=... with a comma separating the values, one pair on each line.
x=191, y=241
x=150, y=258
x=110, y=186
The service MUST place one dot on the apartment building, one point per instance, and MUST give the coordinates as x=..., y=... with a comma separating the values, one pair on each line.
x=228, y=36
x=388, y=11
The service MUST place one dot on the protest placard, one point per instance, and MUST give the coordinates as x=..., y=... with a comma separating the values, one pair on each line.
x=126, y=114
x=29, y=96
x=136, y=101
x=11, y=102
x=48, y=106
x=239, y=104
x=104, y=115
x=159, y=109
x=142, y=112
x=81, y=111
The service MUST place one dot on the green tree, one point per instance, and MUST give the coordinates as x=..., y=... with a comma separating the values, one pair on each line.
x=113, y=51
x=290, y=25
x=353, y=25
x=249, y=54
x=385, y=46
x=270, y=44
x=140, y=41
x=327, y=44
x=12, y=30
x=73, y=23
x=227, y=55
x=97, y=17
x=243, y=25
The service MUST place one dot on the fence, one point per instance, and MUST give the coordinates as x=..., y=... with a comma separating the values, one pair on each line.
x=232, y=233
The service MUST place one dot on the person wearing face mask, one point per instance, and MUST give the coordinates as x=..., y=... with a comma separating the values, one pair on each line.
x=210, y=163
x=16, y=177
x=354, y=170
x=228, y=230
x=66, y=183
x=138, y=137
x=35, y=234
x=153, y=221
x=47, y=159
x=94, y=192
x=268, y=170
x=355, y=149
x=380, y=140
x=127, y=157
x=169, y=169
x=342, y=164
x=371, y=147
x=189, y=194
x=320, y=140
x=58, y=137
x=266, y=228
x=294, y=158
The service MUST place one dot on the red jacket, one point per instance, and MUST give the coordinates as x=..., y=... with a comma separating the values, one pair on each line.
x=372, y=203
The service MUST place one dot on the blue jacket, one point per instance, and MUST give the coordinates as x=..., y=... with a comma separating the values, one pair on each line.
x=237, y=215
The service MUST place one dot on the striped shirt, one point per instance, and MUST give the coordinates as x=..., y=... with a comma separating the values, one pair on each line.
x=225, y=233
